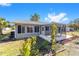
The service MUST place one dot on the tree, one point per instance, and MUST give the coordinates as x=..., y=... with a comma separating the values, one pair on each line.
x=3, y=23
x=35, y=17
x=75, y=21
x=74, y=24
x=53, y=36
x=12, y=25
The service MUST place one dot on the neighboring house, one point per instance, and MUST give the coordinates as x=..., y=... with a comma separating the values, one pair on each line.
x=27, y=28
x=6, y=30
x=68, y=29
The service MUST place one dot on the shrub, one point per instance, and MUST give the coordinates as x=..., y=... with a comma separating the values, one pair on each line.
x=26, y=48
x=76, y=42
x=29, y=47
x=34, y=47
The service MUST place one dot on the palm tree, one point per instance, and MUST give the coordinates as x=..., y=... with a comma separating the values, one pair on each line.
x=3, y=23
x=35, y=17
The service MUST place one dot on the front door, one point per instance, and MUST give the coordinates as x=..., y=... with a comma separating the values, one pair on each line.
x=43, y=30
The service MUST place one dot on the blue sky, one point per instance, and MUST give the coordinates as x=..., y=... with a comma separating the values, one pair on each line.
x=48, y=12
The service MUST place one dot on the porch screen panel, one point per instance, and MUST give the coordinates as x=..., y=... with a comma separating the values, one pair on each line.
x=23, y=29
x=36, y=28
x=47, y=28
x=29, y=29
x=19, y=28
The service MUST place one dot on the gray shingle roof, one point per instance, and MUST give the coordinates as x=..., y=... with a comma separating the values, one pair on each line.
x=35, y=22
x=30, y=22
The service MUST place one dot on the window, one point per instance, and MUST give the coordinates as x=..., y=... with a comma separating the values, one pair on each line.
x=59, y=29
x=19, y=28
x=29, y=29
x=23, y=29
x=42, y=28
x=36, y=28
x=47, y=28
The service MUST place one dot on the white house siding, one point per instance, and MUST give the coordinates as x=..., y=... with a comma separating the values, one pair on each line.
x=48, y=32
x=24, y=35
x=67, y=29
x=32, y=24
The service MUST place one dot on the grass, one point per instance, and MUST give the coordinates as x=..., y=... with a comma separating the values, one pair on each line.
x=74, y=33
x=68, y=50
x=63, y=53
x=13, y=48
x=10, y=48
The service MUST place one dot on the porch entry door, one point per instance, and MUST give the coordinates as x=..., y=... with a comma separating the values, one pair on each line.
x=43, y=30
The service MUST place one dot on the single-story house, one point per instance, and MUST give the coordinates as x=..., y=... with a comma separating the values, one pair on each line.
x=28, y=28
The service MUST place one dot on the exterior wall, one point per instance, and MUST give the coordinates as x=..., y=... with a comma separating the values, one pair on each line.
x=62, y=29
x=45, y=32
x=24, y=35
x=48, y=32
x=67, y=29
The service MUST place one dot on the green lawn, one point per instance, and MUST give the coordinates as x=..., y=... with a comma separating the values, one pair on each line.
x=74, y=33
x=63, y=53
x=10, y=48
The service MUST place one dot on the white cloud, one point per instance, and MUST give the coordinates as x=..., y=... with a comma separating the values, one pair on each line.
x=65, y=19
x=61, y=17
x=5, y=4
